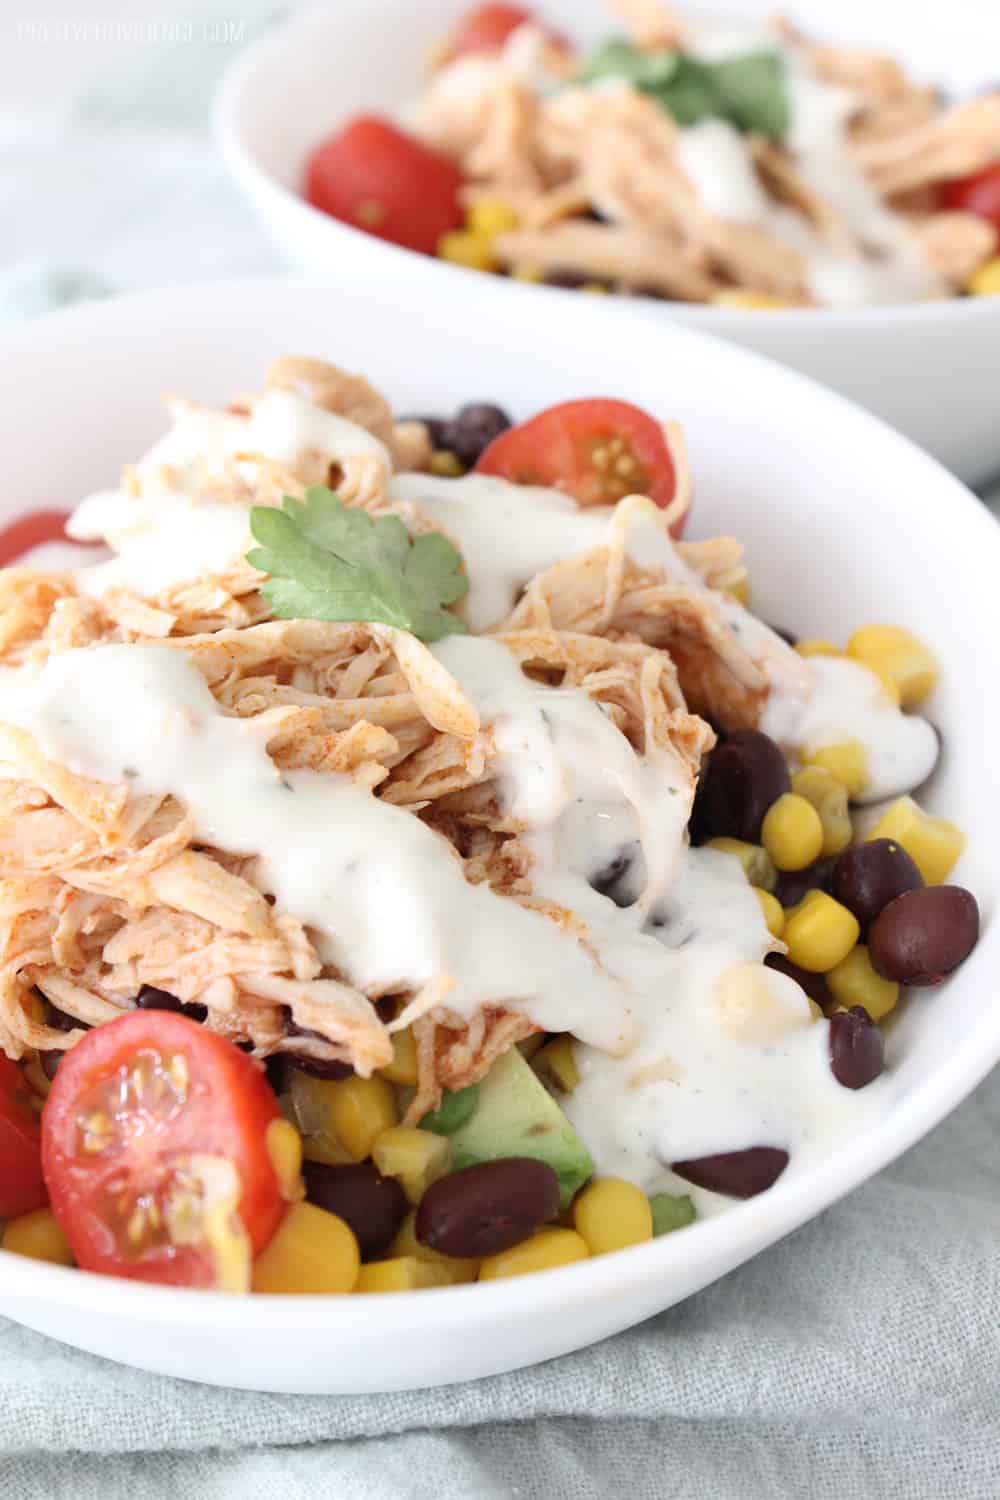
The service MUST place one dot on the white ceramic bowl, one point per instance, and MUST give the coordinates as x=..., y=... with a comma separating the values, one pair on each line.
x=824, y=496
x=931, y=370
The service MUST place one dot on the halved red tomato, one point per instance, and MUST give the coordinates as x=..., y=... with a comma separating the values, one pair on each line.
x=978, y=194
x=22, y=1187
x=596, y=450
x=32, y=530
x=485, y=28
x=154, y=1147
x=377, y=178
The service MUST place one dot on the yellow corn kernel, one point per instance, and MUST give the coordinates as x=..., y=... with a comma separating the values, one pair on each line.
x=310, y=1251
x=454, y=1269
x=284, y=1147
x=889, y=684
x=734, y=296
x=846, y=761
x=771, y=910
x=361, y=1109
x=611, y=1214
x=855, y=982
x=740, y=592
x=901, y=655
x=542, y=1252
x=445, y=464
x=819, y=932
x=528, y=273
x=403, y=1068
x=416, y=1157
x=531, y=1044
x=596, y=288
x=404, y=1273
x=816, y=646
x=829, y=797
x=933, y=844
x=985, y=280
x=557, y=1063
x=490, y=215
x=473, y=251
x=758, y=867
x=38, y=1236
x=792, y=832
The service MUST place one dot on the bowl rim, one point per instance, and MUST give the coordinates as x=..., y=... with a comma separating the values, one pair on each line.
x=743, y=1229
x=230, y=99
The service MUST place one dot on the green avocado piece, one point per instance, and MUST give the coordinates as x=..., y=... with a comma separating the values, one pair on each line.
x=671, y=1212
x=517, y=1116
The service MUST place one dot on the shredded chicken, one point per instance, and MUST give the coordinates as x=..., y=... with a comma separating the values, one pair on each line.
x=561, y=157
x=103, y=891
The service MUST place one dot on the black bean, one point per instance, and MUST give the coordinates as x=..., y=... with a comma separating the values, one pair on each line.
x=738, y=1174
x=857, y=1052
x=866, y=877
x=613, y=880
x=150, y=998
x=923, y=935
x=566, y=278
x=437, y=429
x=472, y=430
x=815, y=985
x=488, y=1207
x=374, y=1206
x=745, y=774
x=792, y=885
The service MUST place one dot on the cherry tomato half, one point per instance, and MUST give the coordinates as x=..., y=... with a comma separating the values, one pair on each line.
x=22, y=1187
x=596, y=450
x=375, y=177
x=154, y=1147
x=979, y=194
x=485, y=28
x=30, y=531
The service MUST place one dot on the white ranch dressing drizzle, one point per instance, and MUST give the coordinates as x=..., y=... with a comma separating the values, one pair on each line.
x=384, y=895
x=716, y=157
x=661, y=1077
x=849, y=702
x=165, y=539
x=568, y=773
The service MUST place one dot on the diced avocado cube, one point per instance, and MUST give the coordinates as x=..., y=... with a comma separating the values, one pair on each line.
x=516, y=1116
x=670, y=1213
x=454, y=1111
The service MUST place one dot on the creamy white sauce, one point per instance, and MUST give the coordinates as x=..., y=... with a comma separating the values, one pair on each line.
x=384, y=895
x=159, y=540
x=570, y=775
x=849, y=702
x=164, y=539
x=890, y=266
x=664, y=1074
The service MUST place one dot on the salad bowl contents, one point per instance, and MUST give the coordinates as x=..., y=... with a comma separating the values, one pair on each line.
x=167, y=962
x=420, y=865
x=822, y=191
x=747, y=166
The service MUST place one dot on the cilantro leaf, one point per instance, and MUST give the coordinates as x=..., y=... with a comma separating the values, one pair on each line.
x=749, y=91
x=328, y=561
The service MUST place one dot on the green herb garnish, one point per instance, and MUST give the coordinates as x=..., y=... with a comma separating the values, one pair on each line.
x=749, y=92
x=329, y=561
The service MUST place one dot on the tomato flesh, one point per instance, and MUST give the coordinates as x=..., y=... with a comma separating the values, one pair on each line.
x=486, y=28
x=30, y=531
x=978, y=194
x=22, y=1186
x=154, y=1149
x=596, y=450
x=375, y=177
